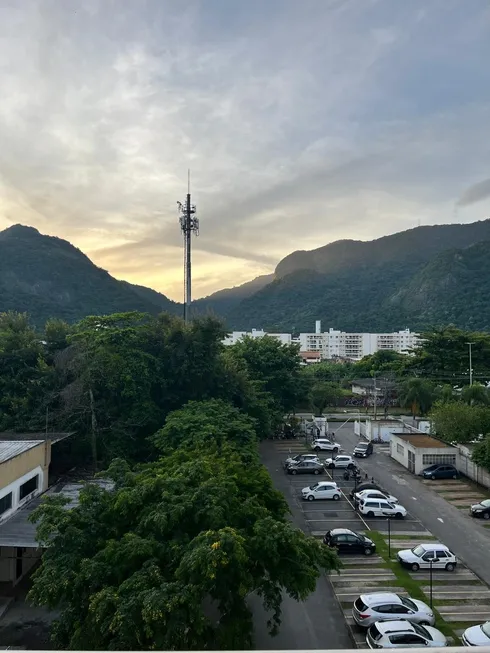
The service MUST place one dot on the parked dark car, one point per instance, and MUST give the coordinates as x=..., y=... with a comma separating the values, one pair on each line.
x=481, y=509
x=347, y=541
x=440, y=471
x=363, y=449
x=367, y=486
x=306, y=467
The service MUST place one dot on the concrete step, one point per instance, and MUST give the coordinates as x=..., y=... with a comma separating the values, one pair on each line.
x=368, y=571
x=365, y=581
x=468, y=612
x=471, y=496
x=460, y=593
x=361, y=561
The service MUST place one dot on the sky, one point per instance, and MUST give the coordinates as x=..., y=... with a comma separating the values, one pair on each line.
x=303, y=122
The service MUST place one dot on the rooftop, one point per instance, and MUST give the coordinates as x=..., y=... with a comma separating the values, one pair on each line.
x=19, y=531
x=9, y=450
x=10, y=436
x=422, y=441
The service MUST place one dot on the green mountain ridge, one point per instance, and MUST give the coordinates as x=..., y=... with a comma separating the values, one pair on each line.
x=46, y=276
x=416, y=278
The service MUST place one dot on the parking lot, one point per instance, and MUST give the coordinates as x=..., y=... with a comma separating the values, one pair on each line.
x=462, y=599
x=321, y=516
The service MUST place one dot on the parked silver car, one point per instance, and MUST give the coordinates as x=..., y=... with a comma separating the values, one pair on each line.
x=388, y=606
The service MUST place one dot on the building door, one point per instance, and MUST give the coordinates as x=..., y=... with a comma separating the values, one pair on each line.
x=411, y=462
x=18, y=563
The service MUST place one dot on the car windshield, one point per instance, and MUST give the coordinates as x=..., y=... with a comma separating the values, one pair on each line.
x=407, y=603
x=314, y=487
x=486, y=503
x=418, y=551
x=486, y=629
x=420, y=630
x=362, y=445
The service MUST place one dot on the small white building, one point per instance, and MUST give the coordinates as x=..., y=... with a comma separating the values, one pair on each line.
x=416, y=451
x=379, y=430
x=236, y=336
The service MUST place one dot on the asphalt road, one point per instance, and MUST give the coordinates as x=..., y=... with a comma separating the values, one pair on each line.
x=457, y=530
x=318, y=622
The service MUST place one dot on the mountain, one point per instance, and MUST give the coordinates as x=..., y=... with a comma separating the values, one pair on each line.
x=223, y=301
x=48, y=277
x=420, y=244
x=454, y=288
x=380, y=285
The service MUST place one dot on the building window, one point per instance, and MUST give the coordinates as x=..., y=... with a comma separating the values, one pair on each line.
x=28, y=487
x=6, y=503
x=400, y=449
x=439, y=459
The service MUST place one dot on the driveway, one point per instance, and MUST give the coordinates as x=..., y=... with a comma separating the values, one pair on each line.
x=318, y=622
x=454, y=528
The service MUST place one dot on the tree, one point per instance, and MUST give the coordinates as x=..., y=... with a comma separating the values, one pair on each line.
x=481, y=453
x=168, y=558
x=324, y=394
x=475, y=394
x=460, y=422
x=275, y=365
x=444, y=355
x=418, y=395
x=384, y=360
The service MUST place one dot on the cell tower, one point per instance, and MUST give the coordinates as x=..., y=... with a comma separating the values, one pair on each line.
x=189, y=225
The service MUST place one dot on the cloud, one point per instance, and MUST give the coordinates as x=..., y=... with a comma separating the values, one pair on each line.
x=475, y=193
x=301, y=123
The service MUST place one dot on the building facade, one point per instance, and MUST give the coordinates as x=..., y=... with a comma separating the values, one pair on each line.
x=334, y=344
x=24, y=467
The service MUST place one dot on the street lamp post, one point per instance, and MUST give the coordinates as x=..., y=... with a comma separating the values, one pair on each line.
x=471, y=362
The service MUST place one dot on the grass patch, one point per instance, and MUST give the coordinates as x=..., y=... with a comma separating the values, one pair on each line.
x=409, y=584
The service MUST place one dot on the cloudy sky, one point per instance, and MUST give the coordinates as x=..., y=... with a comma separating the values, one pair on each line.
x=303, y=121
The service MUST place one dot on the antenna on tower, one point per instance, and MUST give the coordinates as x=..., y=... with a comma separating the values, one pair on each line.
x=189, y=224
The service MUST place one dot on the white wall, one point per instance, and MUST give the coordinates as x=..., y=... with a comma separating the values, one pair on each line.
x=400, y=456
x=470, y=469
x=15, y=489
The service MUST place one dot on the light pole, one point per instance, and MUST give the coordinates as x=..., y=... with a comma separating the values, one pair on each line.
x=471, y=365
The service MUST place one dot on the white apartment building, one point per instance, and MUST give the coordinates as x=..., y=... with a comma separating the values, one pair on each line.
x=235, y=336
x=334, y=344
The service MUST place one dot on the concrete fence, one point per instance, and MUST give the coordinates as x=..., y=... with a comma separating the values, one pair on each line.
x=470, y=469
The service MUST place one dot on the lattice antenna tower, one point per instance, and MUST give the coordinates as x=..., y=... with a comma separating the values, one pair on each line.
x=189, y=224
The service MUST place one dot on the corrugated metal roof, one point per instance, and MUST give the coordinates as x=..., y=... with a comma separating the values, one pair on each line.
x=17, y=530
x=9, y=450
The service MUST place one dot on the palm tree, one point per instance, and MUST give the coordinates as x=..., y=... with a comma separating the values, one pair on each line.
x=418, y=395
x=475, y=394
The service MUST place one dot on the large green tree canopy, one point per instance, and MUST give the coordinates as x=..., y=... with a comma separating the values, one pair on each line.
x=169, y=557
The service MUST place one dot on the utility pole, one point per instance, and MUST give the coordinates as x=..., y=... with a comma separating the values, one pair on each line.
x=471, y=363
x=375, y=398
x=189, y=225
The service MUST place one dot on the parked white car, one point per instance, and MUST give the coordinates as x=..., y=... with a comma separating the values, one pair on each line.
x=322, y=444
x=420, y=557
x=381, y=508
x=403, y=634
x=385, y=606
x=340, y=462
x=477, y=635
x=322, y=490
x=374, y=494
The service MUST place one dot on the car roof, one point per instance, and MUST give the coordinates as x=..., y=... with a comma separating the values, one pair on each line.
x=327, y=483
x=386, y=627
x=432, y=546
x=380, y=597
x=342, y=531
